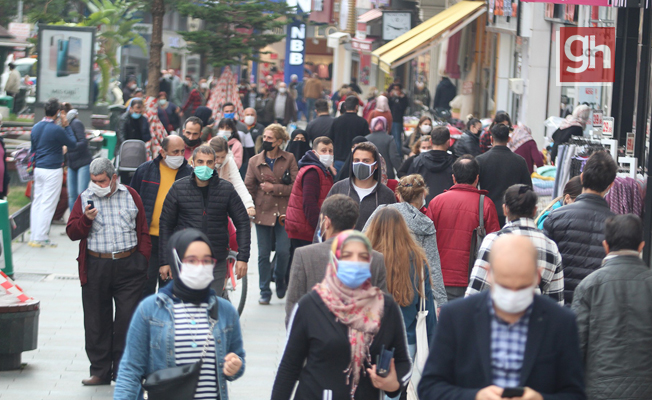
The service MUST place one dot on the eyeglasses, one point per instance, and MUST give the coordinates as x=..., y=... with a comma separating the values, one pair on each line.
x=197, y=261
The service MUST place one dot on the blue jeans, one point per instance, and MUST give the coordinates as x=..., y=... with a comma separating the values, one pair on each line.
x=77, y=182
x=338, y=165
x=397, y=133
x=310, y=108
x=301, y=109
x=266, y=236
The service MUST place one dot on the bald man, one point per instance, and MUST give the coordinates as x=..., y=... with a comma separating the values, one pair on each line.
x=506, y=342
x=152, y=180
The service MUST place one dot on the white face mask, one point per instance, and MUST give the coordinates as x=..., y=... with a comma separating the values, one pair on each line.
x=326, y=159
x=426, y=128
x=512, y=301
x=249, y=120
x=424, y=202
x=98, y=190
x=196, y=277
x=225, y=134
x=174, y=162
x=282, y=90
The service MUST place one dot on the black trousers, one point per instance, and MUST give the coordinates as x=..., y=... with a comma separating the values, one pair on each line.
x=110, y=281
x=455, y=292
x=294, y=244
x=153, y=276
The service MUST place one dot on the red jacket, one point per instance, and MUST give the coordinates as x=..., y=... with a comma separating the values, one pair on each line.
x=296, y=222
x=79, y=226
x=456, y=214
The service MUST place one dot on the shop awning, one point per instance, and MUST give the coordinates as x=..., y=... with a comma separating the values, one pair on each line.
x=425, y=36
x=370, y=16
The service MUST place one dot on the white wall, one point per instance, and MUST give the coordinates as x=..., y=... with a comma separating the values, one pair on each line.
x=504, y=71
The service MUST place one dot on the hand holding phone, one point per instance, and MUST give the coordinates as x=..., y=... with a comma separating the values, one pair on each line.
x=383, y=361
x=90, y=203
x=511, y=392
x=90, y=211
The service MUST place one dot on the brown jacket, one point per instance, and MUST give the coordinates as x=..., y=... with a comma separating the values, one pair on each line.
x=313, y=89
x=272, y=204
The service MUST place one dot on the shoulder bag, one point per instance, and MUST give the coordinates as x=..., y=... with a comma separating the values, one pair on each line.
x=477, y=237
x=421, y=355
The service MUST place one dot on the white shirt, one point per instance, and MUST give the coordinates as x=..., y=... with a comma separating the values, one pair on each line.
x=279, y=106
x=362, y=192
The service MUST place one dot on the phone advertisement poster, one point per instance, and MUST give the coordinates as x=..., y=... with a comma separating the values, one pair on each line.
x=65, y=64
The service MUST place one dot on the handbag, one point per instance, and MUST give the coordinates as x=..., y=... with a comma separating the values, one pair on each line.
x=177, y=382
x=287, y=178
x=477, y=236
x=421, y=355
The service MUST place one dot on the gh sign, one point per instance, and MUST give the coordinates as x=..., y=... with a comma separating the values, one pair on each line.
x=585, y=56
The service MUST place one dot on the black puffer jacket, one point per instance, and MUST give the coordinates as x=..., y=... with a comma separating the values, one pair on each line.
x=436, y=168
x=185, y=207
x=578, y=230
x=614, y=320
x=468, y=143
x=147, y=179
x=80, y=156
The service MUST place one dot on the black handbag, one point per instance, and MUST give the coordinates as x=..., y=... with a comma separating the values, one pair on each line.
x=287, y=178
x=176, y=383
x=477, y=236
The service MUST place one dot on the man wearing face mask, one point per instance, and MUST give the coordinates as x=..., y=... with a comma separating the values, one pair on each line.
x=246, y=137
x=109, y=220
x=469, y=142
x=204, y=201
x=191, y=135
x=363, y=184
x=510, y=339
x=282, y=106
x=152, y=180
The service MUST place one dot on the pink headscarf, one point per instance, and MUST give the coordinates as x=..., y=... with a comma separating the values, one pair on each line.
x=375, y=121
x=382, y=104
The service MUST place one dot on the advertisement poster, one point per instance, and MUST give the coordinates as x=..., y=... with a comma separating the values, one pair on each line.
x=65, y=64
x=365, y=68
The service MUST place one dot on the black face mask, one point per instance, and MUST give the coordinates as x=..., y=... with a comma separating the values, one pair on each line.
x=268, y=146
x=191, y=143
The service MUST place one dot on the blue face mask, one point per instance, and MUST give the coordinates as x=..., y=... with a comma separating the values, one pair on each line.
x=229, y=115
x=136, y=115
x=203, y=172
x=353, y=273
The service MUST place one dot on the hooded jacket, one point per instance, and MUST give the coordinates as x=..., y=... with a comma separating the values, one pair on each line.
x=380, y=195
x=436, y=167
x=468, y=143
x=387, y=147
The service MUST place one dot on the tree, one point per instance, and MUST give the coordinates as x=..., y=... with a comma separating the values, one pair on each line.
x=157, y=8
x=41, y=11
x=235, y=30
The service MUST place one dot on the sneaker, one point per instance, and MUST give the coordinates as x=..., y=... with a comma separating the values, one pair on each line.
x=264, y=300
x=41, y=243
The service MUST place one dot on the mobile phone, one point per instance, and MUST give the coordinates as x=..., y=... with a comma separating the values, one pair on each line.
x=90, y=203
x=383, y=361
x=74, y=55
x=54, y=44
x=510, y=392
x=62, y=58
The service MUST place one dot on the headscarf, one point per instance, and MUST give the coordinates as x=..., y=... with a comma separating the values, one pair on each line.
x=298, y=148
x=360, y=309
x=375, y=120
x=180, y=242
x=382, y=104
x=204, y=113
x=579, y=117
x=522, y=134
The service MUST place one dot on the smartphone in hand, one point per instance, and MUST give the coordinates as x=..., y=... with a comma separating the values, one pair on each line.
x=383, y=362
x=90, y=203
x=511, y=392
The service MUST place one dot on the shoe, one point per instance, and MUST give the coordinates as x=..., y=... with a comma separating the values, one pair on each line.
x=59, y=222
x=264, y=300
x=41, y=243
x=280, y=293
x=95, y=381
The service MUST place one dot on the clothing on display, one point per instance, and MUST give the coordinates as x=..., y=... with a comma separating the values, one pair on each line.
x=626, y=196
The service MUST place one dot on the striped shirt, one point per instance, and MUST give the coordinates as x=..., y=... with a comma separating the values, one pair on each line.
x=114, y=227
x=191, y=329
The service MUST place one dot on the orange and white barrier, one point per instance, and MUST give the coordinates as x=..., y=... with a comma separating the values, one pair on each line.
x=12, y=289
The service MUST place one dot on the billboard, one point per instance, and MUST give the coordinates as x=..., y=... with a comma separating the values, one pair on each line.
x=65, y=65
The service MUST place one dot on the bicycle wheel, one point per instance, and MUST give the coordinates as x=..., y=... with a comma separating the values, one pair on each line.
x=236, y=295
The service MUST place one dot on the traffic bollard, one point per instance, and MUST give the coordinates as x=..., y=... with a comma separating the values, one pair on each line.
x=5, y=230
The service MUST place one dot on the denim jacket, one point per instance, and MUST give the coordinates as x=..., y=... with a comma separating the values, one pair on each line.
x=150, y=342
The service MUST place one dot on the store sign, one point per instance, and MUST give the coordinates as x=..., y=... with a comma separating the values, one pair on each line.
x=365, y=69
x=295, y=50
x=630, y=144
x=20, y=31
x=361, y=45
x=608, y=127
x=597, y=118
x=585, y=56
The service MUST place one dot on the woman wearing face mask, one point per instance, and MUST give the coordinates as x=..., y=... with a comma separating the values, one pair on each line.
x=381, y=110
x=424, y=127
x=412, y=192
x=227, y=130
x=168, y=113
x=337, y=331
x=228, y=170
x=572, y=189
x=385, y=144
x=422, y=145
x=269, y=179
x=298, y=144
x=469, y=142
x=174, y=326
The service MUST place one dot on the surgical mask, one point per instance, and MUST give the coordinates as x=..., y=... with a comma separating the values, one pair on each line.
x=424, y=202
x=136, y=115
x=229, y=115
x=268, y=146
x=162, y=102
x=353, y=273
x=98, y=190
x=204, y=86
x=224, y=134
x=426, y=128
x=512, y=301
x=196, y=277
x=203, y=172
x=191, y=143
x=249, y=120
x=174, y=162
x=270, y=83
x=363, y=171
x=326, y=159
x=133, y=86
x=282, y=90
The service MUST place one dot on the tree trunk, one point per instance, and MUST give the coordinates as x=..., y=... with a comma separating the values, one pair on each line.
x=155, y=46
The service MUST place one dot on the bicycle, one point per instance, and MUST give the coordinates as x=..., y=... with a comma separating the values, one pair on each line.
x=236, y=294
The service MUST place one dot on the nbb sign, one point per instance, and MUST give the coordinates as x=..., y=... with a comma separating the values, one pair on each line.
x=585, y=56
x=297, y=44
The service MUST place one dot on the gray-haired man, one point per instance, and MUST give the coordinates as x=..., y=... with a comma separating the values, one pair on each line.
x=109, y=220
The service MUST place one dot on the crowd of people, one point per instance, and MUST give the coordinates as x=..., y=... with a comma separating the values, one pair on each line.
x=452, y=259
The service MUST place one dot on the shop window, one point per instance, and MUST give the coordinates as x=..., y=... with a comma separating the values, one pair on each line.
x=562, y=13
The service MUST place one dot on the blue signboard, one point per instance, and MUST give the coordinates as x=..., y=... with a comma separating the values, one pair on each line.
x=295, y=49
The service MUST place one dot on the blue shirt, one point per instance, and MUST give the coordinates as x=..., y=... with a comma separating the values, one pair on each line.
x=48, y=140
x=507, y=348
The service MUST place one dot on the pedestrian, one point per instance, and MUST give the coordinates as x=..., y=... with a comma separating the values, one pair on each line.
x=228, y=170
x=345, y=172
x=254, y=127
x=423, y=128
x=364, y=183
x=152, y=181
x=420, y=97
x=193, y=101
x=345, y=128
x=47, y=141
x=500, y=168
x=412, y=191
x=385, y=144
x=227, y=130
x=398, y=104
x=297, y=94
x=469, y=142
x=613, y=307
x=79, y=158
x=520, y=206
x=195, y=200
x=265, y=113
x=133, y=125
x=354, y=85
x=444, y=94
x=422, y=145
x=298, y=144
x=282, y=106
x=327, y=362
x=572, y=189
x=12, y=85
x=168, y=113
x=436, y=165
x=322, y=124
x=129, y=88
x=313, y=90
x=109, y=220
x=573, y=125
x=336, y=98
x=164, y=82
x=501, y=118
x=381, y=110
x=192, y=136
x=269, y=180
x=578, y=228
x=183, y=324
x=523, y=144
x=456, y=214
x=209, y=130
x=506, y=338
x=184, y=91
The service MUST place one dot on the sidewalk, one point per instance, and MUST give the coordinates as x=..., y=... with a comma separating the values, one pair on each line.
x=54, y=371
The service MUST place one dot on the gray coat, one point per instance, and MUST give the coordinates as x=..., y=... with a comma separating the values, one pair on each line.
x=614, y=319
x=425, y=235
x=387, y=147
x=309, y=268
